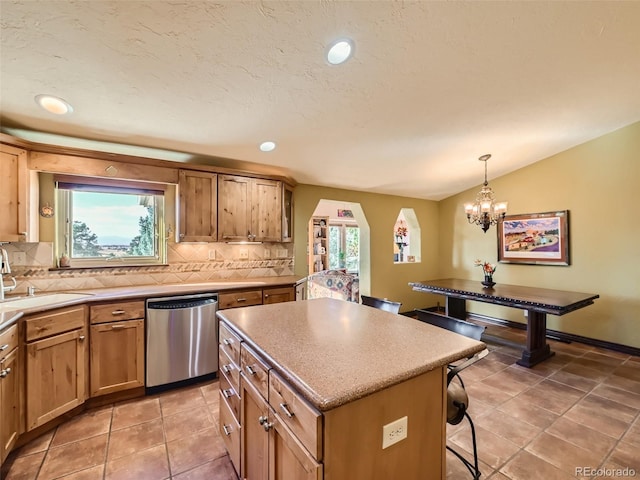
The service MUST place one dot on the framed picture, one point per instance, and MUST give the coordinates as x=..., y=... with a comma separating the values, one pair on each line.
x=534, y=238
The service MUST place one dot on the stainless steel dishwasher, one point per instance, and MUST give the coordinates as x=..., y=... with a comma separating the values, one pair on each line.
x=181, y=340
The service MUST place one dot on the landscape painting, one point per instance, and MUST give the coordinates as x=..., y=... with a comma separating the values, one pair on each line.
x=534, y=238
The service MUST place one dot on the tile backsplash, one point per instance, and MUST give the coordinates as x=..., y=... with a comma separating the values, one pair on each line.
x=32, y=263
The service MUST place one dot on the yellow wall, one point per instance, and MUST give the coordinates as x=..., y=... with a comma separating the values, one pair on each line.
x=598, y=182
x=387, y=279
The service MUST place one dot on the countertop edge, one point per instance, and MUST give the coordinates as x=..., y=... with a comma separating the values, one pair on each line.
x=145, y=291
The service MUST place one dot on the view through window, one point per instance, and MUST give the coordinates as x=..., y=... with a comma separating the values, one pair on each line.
x=344, y=247
x=105, y=224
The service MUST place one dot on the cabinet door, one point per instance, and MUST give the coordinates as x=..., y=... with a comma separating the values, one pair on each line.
x=266, y=210
x=117, y=356
x=198, y=206
x=10, y=411
x=278, y=295
x=288, y=459
x=254, y=445
x=55, y=376
x=14, y=194
x=234, y=208
x=287, y=213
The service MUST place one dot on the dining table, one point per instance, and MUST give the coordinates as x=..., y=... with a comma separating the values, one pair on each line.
x=538, y=302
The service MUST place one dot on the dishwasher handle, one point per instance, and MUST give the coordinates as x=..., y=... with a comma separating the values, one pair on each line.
x=176, y=303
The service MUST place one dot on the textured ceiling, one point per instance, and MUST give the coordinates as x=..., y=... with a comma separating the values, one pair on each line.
x=432, y=85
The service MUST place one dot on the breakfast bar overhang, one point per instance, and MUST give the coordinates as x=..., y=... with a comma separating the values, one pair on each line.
x=537, y=301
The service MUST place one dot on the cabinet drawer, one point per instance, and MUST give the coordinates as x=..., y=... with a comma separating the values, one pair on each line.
x=229, y=369
x=116, y=312
x=239, y=299
x=230, y=343
x=303, y=420
x=54, y=322
x=254, y=370
x=230, y=432
x=230, y=394
x=8, y=340
x=278, y=295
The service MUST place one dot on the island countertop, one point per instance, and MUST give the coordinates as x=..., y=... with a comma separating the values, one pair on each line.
x=334, y=352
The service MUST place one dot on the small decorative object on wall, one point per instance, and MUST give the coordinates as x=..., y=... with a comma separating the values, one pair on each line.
x=46, y=210
x=534, y=238
x=345, y=213
x=488, y=270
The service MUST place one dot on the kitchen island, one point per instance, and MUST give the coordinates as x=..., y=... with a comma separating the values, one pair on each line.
x=307, y=387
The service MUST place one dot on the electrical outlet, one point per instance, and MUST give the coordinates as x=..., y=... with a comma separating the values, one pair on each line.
x=212, y=254
x=526, y=313
x=19, y=258
x=282, y=253
x=395, y=431
x=266, y=253
x=243, y=253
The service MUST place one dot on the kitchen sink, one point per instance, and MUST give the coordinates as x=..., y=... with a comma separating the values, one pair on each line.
x=9, y=305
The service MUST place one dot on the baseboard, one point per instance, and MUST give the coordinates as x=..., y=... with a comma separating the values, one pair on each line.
x=553, y=334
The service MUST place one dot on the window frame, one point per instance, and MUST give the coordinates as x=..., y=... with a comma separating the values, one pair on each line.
x=64, y=187
x=343, y=226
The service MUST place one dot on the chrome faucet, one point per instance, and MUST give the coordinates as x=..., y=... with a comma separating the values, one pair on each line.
x=5, y=268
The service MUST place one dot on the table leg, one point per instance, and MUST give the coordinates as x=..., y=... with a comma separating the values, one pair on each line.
x=456, y=308
x=537, y=348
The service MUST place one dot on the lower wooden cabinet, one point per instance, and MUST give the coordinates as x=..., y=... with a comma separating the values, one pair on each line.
x=56, y=366
x=117, y=356
x=10, y=391
x=278, y=295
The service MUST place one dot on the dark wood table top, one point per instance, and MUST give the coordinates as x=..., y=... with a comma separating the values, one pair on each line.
x=556, y=302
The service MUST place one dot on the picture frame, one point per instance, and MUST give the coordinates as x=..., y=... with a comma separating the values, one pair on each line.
x=534, y=238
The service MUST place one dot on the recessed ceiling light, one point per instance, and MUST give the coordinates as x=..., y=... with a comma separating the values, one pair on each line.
x=267, y=146
x=54, y=104
x=340, y=51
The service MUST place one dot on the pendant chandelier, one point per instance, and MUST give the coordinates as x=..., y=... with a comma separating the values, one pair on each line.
x=485, y=211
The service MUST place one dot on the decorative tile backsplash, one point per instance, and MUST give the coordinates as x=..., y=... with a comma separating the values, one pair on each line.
x=31, y=265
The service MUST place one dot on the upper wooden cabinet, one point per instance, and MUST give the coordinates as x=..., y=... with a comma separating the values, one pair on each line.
x=249, y=209
x=14, y=196
x=198, y=198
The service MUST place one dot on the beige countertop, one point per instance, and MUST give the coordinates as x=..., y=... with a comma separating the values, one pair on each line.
x=10, y=311
x=334, y=352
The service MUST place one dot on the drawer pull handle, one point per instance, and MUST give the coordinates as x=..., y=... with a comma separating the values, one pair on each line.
x=285, y=409
x=81, y=338
x=117, y=327
x=226, y=368
x=266, y=295
x=264, y=421
x=228, y=392
x=227, y=341
x=227, y=430
x=4, y=347
x=251, y=370
x=118, y=312
x=4, y=373
x=241, y=300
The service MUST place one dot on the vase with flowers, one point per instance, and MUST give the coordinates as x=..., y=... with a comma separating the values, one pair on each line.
x=401, y=233
x=488, y=270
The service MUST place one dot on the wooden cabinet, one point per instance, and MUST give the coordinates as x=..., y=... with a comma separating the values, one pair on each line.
x=279, y=433
x=249, y=209
x=117, y=347
x=56, y=363
x=318, y=247
x=10, y=391
x=198, y=206
x=246, y=298
x=278, y=295
x=287, y=213
x=16, y=223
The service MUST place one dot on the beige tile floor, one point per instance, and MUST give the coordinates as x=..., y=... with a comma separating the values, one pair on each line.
x=579, y=409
